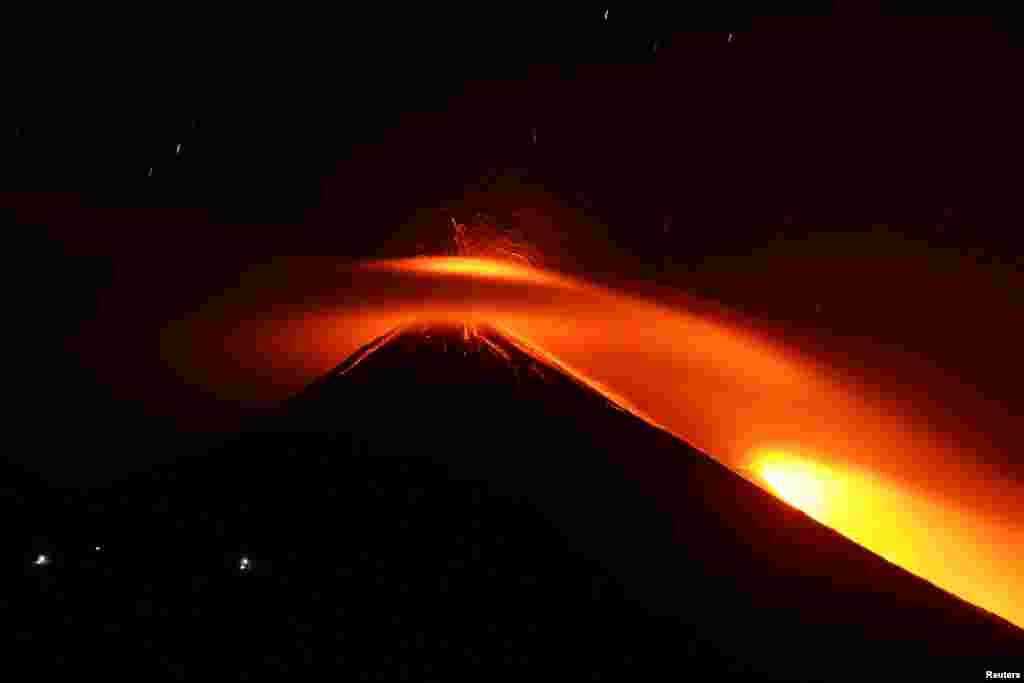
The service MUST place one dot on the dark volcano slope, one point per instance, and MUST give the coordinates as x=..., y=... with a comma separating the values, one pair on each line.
x=684, y=534
x=440, y=507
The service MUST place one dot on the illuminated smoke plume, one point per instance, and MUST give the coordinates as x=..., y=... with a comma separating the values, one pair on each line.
x=813, y=433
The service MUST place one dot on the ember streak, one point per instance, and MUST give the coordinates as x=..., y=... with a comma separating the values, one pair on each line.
x=483, y=239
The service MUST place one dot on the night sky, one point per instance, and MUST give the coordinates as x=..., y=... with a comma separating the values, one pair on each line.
x=844, y=177
x=849, y=173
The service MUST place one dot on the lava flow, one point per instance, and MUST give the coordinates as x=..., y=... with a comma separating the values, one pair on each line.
x=807, y=432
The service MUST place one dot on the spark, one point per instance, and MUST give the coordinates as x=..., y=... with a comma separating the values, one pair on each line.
x=356, y=360
x=732, y=37
x=606, y=15
x=500, y=352
x=177, y=149
x=150, y=171
x=42, y=560
x=483, y=239
x=244, y=564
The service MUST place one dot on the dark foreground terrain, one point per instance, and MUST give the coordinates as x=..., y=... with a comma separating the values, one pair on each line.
x=444, y=506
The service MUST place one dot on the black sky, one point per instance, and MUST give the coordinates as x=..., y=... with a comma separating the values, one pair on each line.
x=852, y=172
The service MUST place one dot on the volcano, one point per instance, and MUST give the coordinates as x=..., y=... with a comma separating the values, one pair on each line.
x=448, y=502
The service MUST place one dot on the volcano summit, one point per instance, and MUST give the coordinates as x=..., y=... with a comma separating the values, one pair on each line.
x=447, y=502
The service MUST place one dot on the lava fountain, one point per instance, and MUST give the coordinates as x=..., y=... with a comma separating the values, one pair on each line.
x=807, y=432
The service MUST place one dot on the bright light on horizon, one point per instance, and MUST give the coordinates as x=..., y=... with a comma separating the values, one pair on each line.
x=801, y=483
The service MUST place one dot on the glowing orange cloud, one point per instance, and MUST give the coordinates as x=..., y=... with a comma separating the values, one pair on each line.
x=804, y=431
x=473, y=267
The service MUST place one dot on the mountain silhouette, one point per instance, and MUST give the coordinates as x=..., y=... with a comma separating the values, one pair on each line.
x=446, y=503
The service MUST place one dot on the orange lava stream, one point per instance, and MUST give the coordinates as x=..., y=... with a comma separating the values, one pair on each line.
x=795, y=427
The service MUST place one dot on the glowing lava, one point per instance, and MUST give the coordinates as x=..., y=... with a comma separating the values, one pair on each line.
x=471, y=267
x=851, y=459
x=801, y=483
